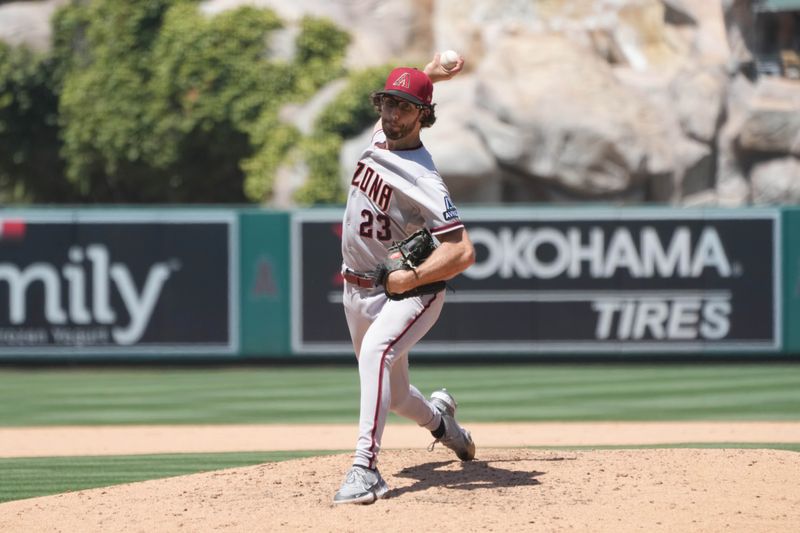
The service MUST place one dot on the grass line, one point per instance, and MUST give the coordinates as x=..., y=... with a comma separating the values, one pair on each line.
x=42, y=476
x=319, y=394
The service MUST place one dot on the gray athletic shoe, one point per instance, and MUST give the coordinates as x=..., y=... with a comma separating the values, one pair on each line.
x=361, y=485
x=455, y=437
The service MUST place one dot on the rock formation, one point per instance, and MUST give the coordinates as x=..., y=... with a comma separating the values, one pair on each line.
x=623, y=101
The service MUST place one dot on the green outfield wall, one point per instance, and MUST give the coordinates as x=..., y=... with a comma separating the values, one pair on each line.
x=791, y=280
x=264, y=283
x=178, y=284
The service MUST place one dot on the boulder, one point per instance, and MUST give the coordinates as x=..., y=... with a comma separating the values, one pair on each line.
x=707, y=198
x=576, y=124
x=776, y=181
x=684, y=163
x=461, y=155
x=694, y=170
x=698, y=97
x=638, y=33
x=732, y=186
x=646, y=39
x=471, y=172
x=472, y=26
x=379, y=30
x=503, y=140
x=707, y=33
x=733, y=191
x=772, y=119
x=28, y=23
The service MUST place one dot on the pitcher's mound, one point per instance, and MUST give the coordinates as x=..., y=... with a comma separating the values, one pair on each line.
x=501, y=490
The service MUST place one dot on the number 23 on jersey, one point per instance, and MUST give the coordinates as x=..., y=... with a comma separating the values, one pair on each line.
x=380, y=192
x=379, y=223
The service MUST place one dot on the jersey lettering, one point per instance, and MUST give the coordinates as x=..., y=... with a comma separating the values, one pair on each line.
x=371, y=183
x=368, y=175
x=383, y=232
x=365, y=229
x=450, y=212
x=385, y=197
x=359, y=169
x=376, y=186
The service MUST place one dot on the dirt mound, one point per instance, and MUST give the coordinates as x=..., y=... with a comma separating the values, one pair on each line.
x=502, y=490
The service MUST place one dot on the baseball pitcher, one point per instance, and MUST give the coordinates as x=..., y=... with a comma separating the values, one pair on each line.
x=401, y=239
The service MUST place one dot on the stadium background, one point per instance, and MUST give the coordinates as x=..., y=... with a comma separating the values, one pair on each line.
x=148, y=318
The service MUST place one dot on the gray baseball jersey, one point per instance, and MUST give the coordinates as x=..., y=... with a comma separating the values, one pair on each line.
x=392, y=195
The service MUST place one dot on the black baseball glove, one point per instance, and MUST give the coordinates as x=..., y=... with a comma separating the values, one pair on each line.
x=407, y=255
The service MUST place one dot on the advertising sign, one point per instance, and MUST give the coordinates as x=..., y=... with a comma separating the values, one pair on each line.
x=125, y=282
x=579, y=281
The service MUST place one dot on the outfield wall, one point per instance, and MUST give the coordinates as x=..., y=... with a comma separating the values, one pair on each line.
x=253, y=284
x=791, y=280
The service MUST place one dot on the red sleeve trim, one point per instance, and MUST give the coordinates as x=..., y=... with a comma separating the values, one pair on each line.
x=447, y=227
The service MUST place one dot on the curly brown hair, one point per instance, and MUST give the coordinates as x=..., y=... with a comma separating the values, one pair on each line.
x=427, y=119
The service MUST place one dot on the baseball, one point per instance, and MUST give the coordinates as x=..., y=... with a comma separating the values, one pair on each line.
x=449, y=59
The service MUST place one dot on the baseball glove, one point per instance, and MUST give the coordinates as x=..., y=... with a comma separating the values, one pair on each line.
x=407, y=255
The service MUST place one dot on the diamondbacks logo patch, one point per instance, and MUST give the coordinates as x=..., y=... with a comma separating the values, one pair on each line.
x=403, y=81
x=450, y=212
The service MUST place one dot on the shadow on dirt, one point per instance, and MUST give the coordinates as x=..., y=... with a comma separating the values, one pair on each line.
x=474, y=475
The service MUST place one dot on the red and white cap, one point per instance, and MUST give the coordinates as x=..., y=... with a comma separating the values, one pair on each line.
x=410, y=84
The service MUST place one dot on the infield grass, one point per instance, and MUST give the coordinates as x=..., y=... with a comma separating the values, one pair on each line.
x=41, y=476
x=319, y=394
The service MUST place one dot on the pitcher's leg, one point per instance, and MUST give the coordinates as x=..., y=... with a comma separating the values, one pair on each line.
x=373, y=374
x=407, y=401
x=361, y=307
x=398, y=327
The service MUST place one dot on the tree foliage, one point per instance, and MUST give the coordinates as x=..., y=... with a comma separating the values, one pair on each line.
x=28, y=128
x=349, y=114
x=153, y=101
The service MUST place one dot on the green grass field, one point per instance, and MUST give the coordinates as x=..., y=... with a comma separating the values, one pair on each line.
x=330, y=394
x=26, y=478
x=319, y=394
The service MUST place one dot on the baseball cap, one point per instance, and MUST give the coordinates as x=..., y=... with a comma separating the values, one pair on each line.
x=410, y=84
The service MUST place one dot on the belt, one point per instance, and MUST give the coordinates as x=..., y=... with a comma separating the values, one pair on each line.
x=358, y=278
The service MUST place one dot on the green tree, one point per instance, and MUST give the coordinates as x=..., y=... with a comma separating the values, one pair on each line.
x=154, y=111
x=157, y=102
x=319, y=55
x=28, y=128
x=349, y=114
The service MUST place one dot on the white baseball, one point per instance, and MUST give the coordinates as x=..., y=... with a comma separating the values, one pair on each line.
x=449, y=59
